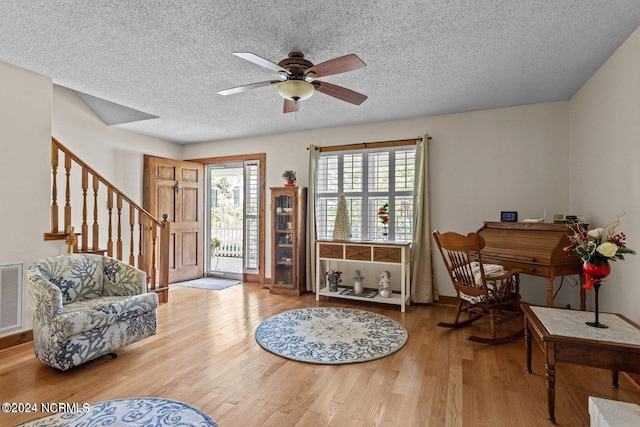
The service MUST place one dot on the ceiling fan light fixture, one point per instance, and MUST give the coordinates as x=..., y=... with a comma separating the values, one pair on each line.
x=295, y=90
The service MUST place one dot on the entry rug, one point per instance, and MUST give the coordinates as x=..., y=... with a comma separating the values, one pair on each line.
x=209, y=283
x=328, y=335
x=142, y=411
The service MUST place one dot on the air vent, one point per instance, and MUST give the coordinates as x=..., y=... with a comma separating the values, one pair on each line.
x=10, y=296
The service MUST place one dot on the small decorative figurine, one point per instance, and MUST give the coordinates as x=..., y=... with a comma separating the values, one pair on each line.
x=384, y=286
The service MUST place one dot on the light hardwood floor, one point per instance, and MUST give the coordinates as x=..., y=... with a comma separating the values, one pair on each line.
x=205, y=354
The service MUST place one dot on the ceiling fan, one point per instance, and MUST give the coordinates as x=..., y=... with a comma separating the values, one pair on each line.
x=297, y=78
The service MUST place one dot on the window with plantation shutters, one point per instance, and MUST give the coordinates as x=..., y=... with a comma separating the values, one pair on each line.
x=368, y=178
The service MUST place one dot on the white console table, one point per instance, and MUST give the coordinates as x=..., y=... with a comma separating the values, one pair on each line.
x=382, y=253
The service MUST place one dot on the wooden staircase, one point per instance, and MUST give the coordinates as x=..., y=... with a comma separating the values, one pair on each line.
x=130, y=229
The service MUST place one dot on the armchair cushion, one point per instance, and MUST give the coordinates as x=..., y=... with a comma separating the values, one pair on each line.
x=82, y=316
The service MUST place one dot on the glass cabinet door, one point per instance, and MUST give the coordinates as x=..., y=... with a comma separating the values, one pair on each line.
x=285, y=239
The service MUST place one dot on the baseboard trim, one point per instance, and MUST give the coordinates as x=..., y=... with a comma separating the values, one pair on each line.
x=447, y=300
x=16, y=339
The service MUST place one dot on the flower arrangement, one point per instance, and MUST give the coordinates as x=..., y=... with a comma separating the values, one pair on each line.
x=358, y=276
x=598, y=244
x=333, y=276
x=383, y=213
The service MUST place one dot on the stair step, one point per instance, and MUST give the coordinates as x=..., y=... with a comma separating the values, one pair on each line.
x=57, y=236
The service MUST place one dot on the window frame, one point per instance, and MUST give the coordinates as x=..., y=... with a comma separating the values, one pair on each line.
x=368, y=229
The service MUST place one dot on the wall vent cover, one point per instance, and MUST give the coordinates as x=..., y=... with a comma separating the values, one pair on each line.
x=10, y=296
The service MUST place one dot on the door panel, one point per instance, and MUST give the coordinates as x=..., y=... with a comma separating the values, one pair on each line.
x=165, y=199
x=190, y=204
x=189, y=249
x=180, y=200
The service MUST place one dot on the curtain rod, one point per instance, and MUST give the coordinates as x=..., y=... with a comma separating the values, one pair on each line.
x=395, y=140
x=368, y=144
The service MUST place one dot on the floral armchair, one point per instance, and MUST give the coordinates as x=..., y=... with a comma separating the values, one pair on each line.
x=85, y=306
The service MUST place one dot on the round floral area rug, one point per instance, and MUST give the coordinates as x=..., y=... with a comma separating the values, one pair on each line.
x=141, y=411
x=328, y=335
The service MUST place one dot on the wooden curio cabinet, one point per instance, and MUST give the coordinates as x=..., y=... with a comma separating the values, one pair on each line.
x=288, y=240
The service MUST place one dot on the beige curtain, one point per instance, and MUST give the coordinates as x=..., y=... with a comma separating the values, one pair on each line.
x=314, y=155
x=424, y=288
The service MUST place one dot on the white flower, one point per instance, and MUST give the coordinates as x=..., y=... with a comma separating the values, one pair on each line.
x=607, y=249
x=596, y=232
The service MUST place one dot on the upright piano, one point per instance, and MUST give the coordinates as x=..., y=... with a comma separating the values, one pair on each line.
x=534, y=247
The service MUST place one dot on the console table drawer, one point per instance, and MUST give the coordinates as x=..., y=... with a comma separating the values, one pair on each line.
x=384, y=254
x=360, y=253
x=330, y=251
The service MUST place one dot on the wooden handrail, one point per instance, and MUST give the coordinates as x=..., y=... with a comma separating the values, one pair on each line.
x=152, y=235
x=103, y=180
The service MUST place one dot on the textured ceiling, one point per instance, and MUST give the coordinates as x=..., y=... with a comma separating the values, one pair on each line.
x=169, y=58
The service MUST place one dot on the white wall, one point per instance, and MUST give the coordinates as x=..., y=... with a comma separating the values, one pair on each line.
x=25, y=162
x=481, y=162
x=116, y=154
x=605, y=177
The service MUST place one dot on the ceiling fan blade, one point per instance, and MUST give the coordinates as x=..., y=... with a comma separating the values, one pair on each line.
x=338, y=65
x=340, y=92
x=247, y=87
x=289, y=106
x=260, y=61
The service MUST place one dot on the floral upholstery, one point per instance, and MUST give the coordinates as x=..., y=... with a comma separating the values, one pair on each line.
x=490, y=270
x=85, y=306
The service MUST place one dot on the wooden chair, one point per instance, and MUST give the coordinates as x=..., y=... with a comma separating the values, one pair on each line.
x=482, y=289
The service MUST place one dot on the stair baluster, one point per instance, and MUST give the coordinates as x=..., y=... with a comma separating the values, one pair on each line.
x=54, y=189
x=85, y=227
x=95, y=245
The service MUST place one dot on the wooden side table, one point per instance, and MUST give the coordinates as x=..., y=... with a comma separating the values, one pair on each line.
x=565, y=338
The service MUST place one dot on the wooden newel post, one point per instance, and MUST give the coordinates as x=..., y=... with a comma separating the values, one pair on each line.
x=164, y=252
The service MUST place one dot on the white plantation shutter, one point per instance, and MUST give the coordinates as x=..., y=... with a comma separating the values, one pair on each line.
x=251, y=253
x=368, y=178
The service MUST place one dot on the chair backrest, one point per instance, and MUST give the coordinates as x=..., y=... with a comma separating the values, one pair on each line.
x=463, y=259
x=79, y=276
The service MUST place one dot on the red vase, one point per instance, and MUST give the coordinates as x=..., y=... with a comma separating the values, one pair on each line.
x=595, y=271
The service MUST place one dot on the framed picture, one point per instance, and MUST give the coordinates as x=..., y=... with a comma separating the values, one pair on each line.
x=509, y=216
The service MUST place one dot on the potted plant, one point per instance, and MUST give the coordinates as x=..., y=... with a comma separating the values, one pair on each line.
x=290, y=176
x=215, y=244
x=333, y=279
x=357, y=282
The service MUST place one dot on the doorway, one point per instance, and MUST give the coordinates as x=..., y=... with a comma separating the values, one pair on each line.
x=232, y=219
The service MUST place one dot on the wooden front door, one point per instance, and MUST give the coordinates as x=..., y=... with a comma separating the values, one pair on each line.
x=175, y=188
